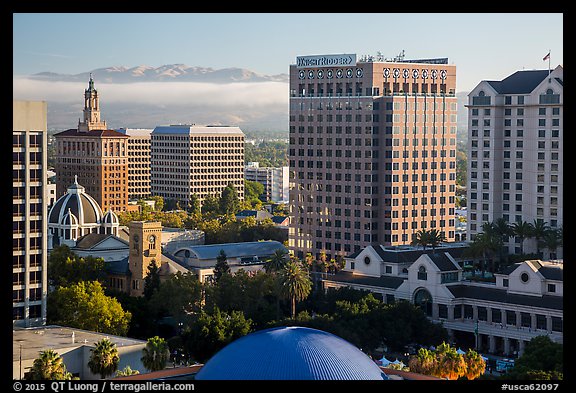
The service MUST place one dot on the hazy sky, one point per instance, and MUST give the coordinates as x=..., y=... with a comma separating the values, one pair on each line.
x=482, y=46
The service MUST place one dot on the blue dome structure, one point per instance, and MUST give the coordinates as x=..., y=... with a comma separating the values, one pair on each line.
x=290, y=353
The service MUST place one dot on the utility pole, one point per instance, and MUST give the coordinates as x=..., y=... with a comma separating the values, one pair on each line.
x=476, y=335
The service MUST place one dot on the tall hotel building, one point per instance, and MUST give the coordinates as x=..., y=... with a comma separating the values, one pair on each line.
x=29, y=213
x=139, y=147
x=372, y=151
x=515, y=152
x=97, y=155
x=201, y=160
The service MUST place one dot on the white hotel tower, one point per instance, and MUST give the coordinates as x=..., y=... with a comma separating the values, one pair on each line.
x=515, y=153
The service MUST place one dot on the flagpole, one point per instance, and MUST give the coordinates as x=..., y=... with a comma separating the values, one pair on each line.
x=549, y=51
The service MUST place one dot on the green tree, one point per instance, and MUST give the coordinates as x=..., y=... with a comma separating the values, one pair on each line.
x=65, y=267
x=444, y=362
x=538, y=230
x=184, y=292
x=421, y=238
x=277, y=261
x=126, y=371
x=229, y=201
x=295, y=283
x=522, y=230
x=424, y=362
x=152, y=280
x=85, y=306
x=221, y=267
x=253, y=190
x=435, y=238
x=209, y=333
x=158, y=202
x=551, y=241
x=210, y=206
x=194, y=205
x=155, y=354
x=48, y=366
x=104, y=358
x=542, y=358
x=475, y=364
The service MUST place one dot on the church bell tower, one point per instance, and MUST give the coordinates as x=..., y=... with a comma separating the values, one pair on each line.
x=91, y=110
x=145, y=248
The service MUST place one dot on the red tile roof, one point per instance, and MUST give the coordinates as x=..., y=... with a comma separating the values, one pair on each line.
x=91, y=134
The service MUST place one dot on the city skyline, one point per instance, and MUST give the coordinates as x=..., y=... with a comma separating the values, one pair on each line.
x=274, y=40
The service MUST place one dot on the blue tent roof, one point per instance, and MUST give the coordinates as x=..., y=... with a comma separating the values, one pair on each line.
x=290, y=353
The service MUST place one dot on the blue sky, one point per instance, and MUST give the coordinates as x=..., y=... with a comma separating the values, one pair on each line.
x=482, y=46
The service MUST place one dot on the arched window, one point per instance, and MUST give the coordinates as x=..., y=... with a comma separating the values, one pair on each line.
x=481, y=93
x=422, y=274
x=423, y=299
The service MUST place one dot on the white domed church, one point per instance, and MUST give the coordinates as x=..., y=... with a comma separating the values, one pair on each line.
x=76, y=214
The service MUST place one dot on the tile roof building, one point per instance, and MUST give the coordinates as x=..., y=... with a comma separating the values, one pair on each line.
x=525, y=301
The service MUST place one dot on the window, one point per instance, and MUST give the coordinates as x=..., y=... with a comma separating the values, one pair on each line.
x=505, y=283
x=552, y=288
x=422, y=274
x=388, y=269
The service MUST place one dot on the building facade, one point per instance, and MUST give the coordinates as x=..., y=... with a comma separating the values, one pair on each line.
x=274, y=180
x=96, y=155
x=372, y=151
x=500, y=317
x=515, y=153
x=29, y=212
x=139, y=142
x=201, y=160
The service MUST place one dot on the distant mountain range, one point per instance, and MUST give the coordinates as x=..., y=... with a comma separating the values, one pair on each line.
x=165, y=73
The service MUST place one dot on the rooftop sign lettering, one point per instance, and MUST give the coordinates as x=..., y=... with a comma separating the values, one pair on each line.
x=326, y=60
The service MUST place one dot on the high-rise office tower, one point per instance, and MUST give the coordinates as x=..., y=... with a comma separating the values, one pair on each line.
x=372, y=151
x=515, y=153
x=139, y=143
x=200, y=160
x=97, y=155
x=29, y=213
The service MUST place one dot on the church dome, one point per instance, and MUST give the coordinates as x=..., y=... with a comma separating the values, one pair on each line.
x=110, y=218
x=84, y=208
x=290, y=353
x=69, y=219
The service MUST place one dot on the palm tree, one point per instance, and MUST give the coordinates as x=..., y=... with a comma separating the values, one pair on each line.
x=424, y=362
x=482, y=246
x=552, y=240
x=502, y=228
x=48, y=366
x=155, y=354
x=295, y=284
x=277, y=261
x=104, y=358
x=538, y=231
x=421, y=238
x=475, y=365
x=451, y=364
x=127, y=371
x=522, y=230
x=435, y=237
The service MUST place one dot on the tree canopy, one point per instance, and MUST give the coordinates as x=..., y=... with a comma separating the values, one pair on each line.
x=85, y=306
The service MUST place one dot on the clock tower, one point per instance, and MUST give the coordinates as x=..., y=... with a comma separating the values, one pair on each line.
x=145, y=248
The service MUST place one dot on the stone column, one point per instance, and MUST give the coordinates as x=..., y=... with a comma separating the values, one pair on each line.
x=506, y=346
x=475, y=312
x=435, y=311
x=518, y=319
x=489, y=314
x=491, y=344
x=521, y=346
x=548, y=323
x=533, y=322
x=451, y=313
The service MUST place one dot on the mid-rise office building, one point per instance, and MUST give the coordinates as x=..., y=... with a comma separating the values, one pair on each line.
x=274, y=180
x=96, y=155
x=372, y=151
x=191, y=159
x=515, y=153
x=139, y=142
x=29, y=223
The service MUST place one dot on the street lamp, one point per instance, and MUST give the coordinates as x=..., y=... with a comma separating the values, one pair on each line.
x=476, y=335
